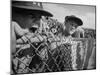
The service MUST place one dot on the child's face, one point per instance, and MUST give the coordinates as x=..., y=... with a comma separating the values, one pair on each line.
x=33, y=19
x=71, y=26
x=29, y=20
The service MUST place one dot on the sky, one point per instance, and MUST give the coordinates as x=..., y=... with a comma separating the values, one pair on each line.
x=85, y=12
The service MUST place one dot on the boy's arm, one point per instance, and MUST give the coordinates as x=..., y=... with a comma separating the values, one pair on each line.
x=18, y=30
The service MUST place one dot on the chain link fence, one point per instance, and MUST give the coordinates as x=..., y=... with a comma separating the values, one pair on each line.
x=52, y=55
x=40, y=57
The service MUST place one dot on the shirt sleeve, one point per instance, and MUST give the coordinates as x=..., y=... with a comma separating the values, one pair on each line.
x=18, y=30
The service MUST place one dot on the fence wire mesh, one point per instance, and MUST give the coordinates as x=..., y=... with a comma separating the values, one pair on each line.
x=52, y=55
x=39, y=57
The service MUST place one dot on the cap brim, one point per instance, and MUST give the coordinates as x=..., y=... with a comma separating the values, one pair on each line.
x=32, y=10
x=75, y=19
